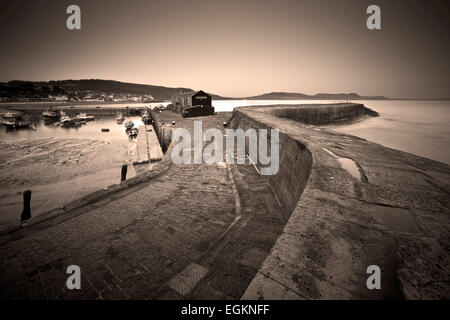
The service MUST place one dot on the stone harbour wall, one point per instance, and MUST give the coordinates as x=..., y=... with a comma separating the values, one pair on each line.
x=294, y=164
x=321, y=114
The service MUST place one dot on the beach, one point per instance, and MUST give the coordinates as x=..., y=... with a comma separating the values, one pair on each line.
x=57, y=170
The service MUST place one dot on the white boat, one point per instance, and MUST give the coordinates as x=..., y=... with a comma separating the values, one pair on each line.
x=129, y=125
x=66, y=120
x=50, y=114
x=84, y=117
x=119, y=117
x=133, y=132
x=15, y=121
x=9, y=120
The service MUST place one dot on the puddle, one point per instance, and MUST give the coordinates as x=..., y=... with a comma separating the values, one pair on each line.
x=347, y=164
x=350, y=166
x=395, y=219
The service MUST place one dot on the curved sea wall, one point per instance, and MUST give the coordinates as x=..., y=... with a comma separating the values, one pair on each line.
x=295, y=158
x=294, y=164
x=320, y=114
x=338, y=225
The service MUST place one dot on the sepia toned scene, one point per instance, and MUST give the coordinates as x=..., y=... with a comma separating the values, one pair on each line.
x=224, y=150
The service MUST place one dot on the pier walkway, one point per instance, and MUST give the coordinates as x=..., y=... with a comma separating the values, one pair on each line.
x=148, y=148
x=135, y=246
x=218, y=232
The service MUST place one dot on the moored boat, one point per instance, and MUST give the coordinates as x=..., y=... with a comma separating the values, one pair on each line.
x=133, y=132
x=50, y=115
x=15, y=121
x=146, y=117
x=120, y=118
x=23, y=124
x=129, y=125
x=10, y=120
x=66, y=121
x=84, y=117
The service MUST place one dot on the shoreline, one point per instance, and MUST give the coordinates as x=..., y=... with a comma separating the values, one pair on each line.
x=51, y=104
x=68, y=168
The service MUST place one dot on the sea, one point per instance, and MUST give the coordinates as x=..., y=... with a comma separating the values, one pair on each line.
x=418, y=127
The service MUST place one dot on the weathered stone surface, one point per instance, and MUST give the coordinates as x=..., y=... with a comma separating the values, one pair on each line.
x=131, y=239
x=397, y=212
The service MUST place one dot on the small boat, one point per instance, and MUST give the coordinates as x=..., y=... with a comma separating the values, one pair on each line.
x=84, y=117
x=119, y=117
x=129, y=125
x=146, y=118
x=50, y=114
x=15, y=121
x=9, y=123
x=133, y=132
x=21, y=124
x=66, y=121
x=9, y=115
x=9, y=120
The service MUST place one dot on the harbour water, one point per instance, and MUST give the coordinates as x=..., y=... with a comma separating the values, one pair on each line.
x=61, y=164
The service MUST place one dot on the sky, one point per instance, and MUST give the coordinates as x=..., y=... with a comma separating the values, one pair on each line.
x=234, y=48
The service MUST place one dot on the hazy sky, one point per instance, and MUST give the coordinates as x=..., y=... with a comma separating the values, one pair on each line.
x=234, y=48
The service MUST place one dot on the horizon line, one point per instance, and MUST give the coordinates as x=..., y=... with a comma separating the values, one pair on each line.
x=232, y=97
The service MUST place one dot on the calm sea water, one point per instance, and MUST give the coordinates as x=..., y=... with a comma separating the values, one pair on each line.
x=91, y=130
x=418, y=127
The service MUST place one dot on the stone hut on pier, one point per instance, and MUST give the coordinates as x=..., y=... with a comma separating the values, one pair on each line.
x=193, y=104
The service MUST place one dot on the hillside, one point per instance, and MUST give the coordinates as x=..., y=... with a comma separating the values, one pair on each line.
x=109, y=90
x=80, y=88
x=319, y=96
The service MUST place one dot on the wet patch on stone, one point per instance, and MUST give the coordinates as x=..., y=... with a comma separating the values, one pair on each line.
x=347, y=164
x=394, y=219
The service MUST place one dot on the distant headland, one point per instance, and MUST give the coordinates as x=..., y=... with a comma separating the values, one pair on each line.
x=96, y=90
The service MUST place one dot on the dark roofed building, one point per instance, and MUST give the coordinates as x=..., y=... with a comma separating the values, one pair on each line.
x=193, y=104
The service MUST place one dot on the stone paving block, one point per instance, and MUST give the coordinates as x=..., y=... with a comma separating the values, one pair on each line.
x=186, y=281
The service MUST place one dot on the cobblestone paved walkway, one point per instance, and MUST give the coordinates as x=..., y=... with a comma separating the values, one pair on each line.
x=133, y=246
